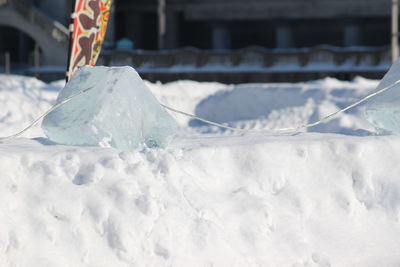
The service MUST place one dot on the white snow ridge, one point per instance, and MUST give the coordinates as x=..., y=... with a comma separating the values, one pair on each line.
x=212, y=197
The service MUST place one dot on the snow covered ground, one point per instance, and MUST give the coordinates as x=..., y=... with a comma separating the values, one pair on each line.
x=327, y=197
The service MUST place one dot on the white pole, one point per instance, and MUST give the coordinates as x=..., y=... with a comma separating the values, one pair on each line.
x=7, y=63
x=395, y=30
x=161, y=23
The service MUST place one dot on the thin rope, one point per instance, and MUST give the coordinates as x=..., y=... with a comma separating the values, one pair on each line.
x=280, y=130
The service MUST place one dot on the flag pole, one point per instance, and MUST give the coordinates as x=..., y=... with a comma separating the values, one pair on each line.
x=70, y=28
x=161, y=24
x=395, y=30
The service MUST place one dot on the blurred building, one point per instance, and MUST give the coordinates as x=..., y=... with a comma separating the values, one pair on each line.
x=280, y=29
x=33, y=31
x=219, y=24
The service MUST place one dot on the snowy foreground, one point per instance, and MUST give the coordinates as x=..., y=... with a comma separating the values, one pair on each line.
x=212, y=198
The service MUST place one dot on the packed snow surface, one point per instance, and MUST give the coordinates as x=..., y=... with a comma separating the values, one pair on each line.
x=327, y=197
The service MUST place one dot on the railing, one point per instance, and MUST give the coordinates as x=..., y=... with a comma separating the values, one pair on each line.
x=320, y=58
x=253, y=64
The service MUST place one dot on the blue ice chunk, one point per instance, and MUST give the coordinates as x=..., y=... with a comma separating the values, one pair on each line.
x=383, y=111
x=118, y=111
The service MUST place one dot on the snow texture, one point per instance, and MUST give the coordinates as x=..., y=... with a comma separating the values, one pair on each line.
x=384, y=110
x=118, y=111
x=212, y=197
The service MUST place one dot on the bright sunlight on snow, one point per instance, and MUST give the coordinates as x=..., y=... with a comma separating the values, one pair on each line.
x=326, y=197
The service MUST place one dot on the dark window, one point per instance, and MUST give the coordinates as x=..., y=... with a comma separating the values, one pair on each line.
x=18, y=44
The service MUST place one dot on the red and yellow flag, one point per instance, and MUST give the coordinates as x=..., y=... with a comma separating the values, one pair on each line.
x=89, y=27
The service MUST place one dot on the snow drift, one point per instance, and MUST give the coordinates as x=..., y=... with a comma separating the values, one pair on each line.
x=212, y=198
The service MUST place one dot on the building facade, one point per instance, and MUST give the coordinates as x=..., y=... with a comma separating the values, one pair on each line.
x=34, y=28
x=210, y=25
x=232, y=24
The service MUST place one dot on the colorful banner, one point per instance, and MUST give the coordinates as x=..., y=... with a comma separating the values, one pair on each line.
x=89, y=27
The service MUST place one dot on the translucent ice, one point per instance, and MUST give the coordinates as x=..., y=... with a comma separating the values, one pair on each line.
x=383, y=111
x=118, y=111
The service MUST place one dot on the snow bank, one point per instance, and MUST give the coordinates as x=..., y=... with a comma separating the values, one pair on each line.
x=305, y=200
x=22, y=100
x=220, y=199
x=247, y=105
x=255, y=106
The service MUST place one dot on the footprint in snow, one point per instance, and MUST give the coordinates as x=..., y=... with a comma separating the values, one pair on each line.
x=88, y=173
x=161, y=251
